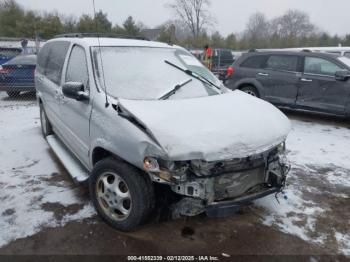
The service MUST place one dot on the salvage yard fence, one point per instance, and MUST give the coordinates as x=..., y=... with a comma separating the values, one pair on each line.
x=16, y=74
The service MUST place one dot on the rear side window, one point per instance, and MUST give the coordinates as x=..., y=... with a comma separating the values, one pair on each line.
x=254, y=62
x=51, y=59
x=42, y=58
x=77, y=67
x=282, y=63
x=320, y=66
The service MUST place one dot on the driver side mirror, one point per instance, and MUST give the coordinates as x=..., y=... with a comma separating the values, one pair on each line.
x=75, y=90
x=342, y=75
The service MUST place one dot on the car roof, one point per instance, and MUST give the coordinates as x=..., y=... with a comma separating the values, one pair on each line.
x=107, y=41
x=299, y=53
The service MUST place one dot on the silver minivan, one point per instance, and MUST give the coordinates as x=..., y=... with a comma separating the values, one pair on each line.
x=125, y=115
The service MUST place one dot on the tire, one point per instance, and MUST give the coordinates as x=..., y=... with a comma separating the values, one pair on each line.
x=46, y=128
x=13, y=94
x=251, y=90
x=121, y=194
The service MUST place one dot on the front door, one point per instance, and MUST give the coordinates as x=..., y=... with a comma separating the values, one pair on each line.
x=319, y=90
x=76, y=114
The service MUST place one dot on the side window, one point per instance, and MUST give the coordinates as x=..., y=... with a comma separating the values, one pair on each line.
x=77, y=67
x=347, y=54
x=254, y=62
x=320, y=66
x=282, y=63
x=56, y=55
x=42, y=58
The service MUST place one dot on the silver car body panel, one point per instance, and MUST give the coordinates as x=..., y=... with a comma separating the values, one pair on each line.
x=231, y=125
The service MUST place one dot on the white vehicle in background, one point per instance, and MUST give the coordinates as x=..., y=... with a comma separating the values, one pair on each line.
x=338, y=50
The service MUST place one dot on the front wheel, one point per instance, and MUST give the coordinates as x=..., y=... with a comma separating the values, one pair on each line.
x=121, y=194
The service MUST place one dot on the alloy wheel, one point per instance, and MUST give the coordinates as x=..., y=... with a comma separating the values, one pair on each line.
x=113, y=196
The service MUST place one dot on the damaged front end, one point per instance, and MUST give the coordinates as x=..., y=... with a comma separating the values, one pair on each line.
x=219, y=188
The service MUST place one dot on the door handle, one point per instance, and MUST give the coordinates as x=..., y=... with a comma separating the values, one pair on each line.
x=263, y=74
x=306, y=80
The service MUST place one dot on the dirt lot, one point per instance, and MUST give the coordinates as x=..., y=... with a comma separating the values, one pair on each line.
x=43, y=212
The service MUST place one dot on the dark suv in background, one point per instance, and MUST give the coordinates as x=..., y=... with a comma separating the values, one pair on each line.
x=308, y=81
x=222, y=59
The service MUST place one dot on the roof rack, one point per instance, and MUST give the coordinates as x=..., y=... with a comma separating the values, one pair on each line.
x=108, y=35
x=252, y=50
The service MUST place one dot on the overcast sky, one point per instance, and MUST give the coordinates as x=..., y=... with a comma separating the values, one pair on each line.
x=231, y=15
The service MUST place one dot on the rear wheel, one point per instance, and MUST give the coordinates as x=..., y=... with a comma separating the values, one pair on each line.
x=46, y=127
x=250, y=90
x=121, y=194
x=13, y=93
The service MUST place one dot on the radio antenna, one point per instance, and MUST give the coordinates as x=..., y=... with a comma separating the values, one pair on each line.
x=100, y=51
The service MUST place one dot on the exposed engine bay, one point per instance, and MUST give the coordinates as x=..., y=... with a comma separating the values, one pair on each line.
x=208, y=183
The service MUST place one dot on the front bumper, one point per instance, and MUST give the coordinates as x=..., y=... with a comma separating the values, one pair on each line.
x=223, y=195
x=228, y=208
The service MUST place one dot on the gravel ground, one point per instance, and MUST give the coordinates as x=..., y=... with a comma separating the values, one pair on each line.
x=43, y=212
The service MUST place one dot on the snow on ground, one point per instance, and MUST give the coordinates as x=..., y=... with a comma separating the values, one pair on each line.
x=29, y=178
x=320, y=158
x=32, y=185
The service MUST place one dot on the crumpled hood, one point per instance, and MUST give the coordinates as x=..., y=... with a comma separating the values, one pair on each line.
x=227, y=126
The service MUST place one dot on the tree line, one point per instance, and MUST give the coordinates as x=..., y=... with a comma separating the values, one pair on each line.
x=193, y=25
x=15, y=21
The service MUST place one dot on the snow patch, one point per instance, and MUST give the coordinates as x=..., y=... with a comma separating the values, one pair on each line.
x=343, y=241
x=292, y=214
x=28, y=178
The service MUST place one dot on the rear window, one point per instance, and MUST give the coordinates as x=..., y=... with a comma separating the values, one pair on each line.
x=254, y=62
x=222, y=57
x=282, y=63
x=51, y=59
x=226, y=54
x=9, y=52
x=23, y=60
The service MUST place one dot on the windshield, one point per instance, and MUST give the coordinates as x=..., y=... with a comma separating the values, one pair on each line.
x=141, y=73
x=345, y=60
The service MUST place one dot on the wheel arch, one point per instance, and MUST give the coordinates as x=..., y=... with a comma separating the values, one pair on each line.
x=99, y=153
x=253, y=83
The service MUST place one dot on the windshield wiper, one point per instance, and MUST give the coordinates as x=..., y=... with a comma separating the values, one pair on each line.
x=194, y=75
x=174, y=90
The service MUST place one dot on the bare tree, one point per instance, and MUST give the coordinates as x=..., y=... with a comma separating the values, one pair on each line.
x=193, y=13
x=293, y=24
x=257, y=31
x=182, y=32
